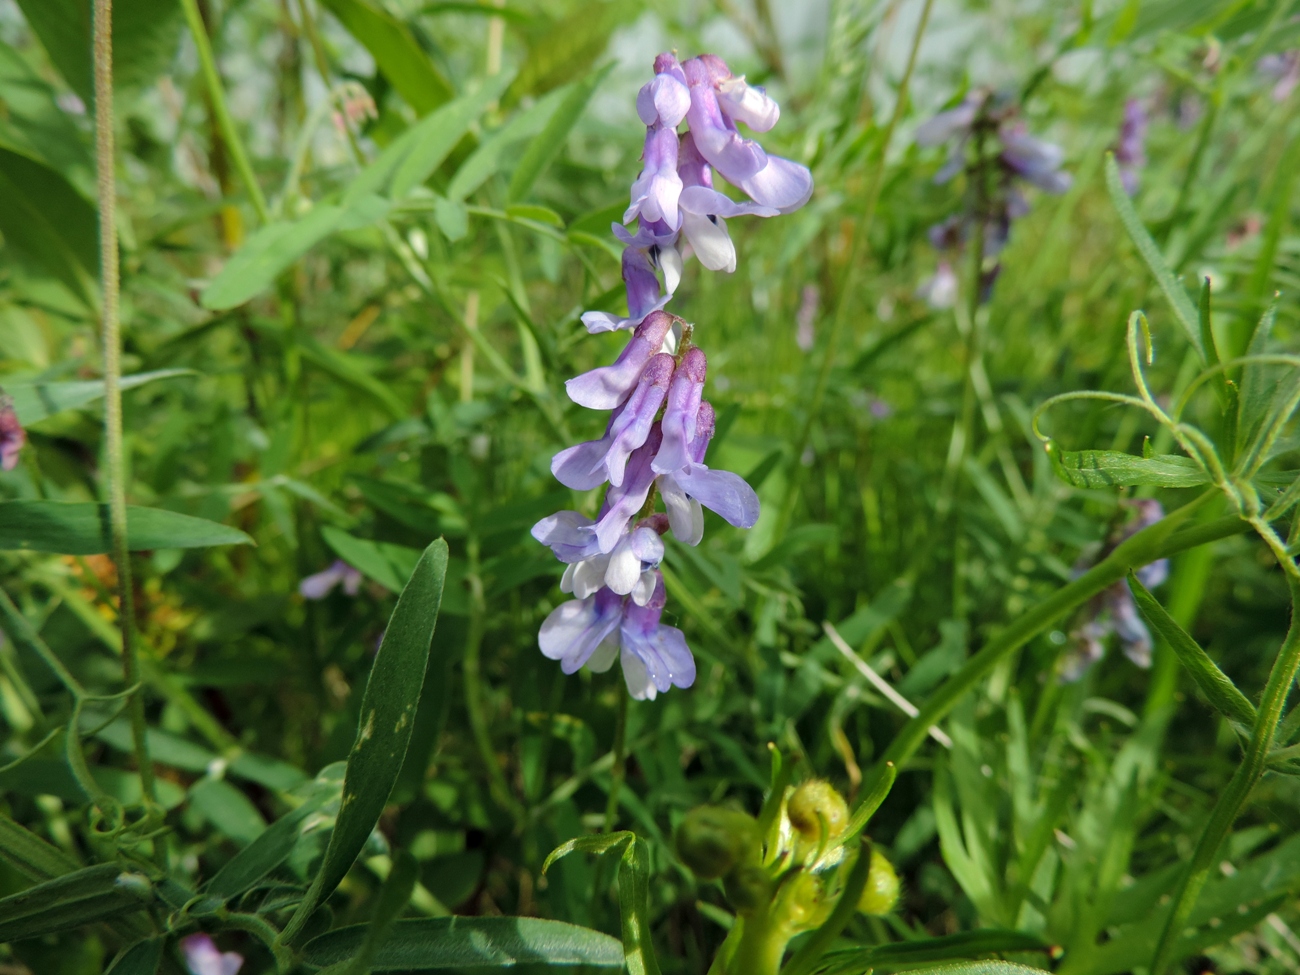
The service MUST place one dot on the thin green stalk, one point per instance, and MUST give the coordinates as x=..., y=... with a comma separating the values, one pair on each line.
x=211, y=77
x=473, y=675
x=114, y=451
x=619, y=771
x=1144, y=547
x=1232, y=799
x=22, y=633
x=849, y=283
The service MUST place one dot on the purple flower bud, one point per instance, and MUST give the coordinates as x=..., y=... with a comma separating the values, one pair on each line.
x=693, y=168
x=12, y=435
x=678, y=424
x=1033, y=159
x=608, y=386
x=203, y=958
x=684, y=491
x=655, y=192
x=715, y=135
x=624, y=501
x=630, y=430
x=664, y=100
x=643, y=294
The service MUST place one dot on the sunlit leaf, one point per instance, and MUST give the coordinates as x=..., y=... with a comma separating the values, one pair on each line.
x=1111, y=468
x=396, y=51
x=35, y=401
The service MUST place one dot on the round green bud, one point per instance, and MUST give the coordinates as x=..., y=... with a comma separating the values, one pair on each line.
x=747, y=886
x=881, y=892
x=813, y=803
x=711, y=840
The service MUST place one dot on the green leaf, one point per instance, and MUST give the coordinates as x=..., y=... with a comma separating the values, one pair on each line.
x=909, y=953
x=33, y=402
x=396, y=52
x=30, y=855
x=435, y=137
x=1217, y=687
x=1182, y=305
x=145, y=36
x=387, y=716
x=48, y=225
x=270, y=849
x=230, y=811
x=1111, y=468
x=81, y=528
x=33, y=125
x=471, y=942
x=142, y=958
x=82, y=897
x=385, y=563
x=393, y=897
x=980, y=968
x=568, y=47
x=541, y=152
x=346, y=369
x=496, y=150
x=633, y=892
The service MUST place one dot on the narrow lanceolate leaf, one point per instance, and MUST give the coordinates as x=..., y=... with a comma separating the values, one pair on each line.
x=1217, y=687
x=387, y=716
x=36, y=401
x=82, y=897
x=396, y=52
x=263, y=855
x=142, y=958
x=81, y=528
x=470, y=942
x=30, y=855
x=543, y=149
x=946, y=949
x=980, y=968
x=392, y=900
x=1179, y=300
x=1112, y=468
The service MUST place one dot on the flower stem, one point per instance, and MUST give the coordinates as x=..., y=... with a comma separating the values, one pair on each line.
x=619, y=771
x=114, y=451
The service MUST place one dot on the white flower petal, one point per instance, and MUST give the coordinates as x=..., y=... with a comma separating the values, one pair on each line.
x=710, y=241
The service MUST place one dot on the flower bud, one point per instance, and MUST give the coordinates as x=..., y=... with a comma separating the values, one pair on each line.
x=814, y=802
x=747, y=886
x=711, y=840
x=881, y=892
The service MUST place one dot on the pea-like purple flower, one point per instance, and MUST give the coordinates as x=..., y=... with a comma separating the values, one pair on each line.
x=12, y=435
x=322, y=583
x=660, y=426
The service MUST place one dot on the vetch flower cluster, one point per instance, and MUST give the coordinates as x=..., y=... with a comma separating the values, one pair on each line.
x=660, y=425
x=12, y=435
x=987, y=141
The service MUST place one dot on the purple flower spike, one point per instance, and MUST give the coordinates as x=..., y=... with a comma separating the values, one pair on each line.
x=665, y=100
x=203, y=958
x=608, y=386
x=12, y=435
x=1037, y=161
x=655, y=657
x=656, y=190
x=623, y=502
x=574, y=631
x=321, y=584
x=1130, y=152
x=680, y=415
x=736, y=158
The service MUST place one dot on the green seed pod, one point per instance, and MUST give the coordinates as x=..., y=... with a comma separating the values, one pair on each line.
x=881, y=892
x=747, y=886
x=814, y=802
x=711, y=840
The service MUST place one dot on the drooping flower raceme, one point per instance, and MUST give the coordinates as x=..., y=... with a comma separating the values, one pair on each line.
x=660, y=425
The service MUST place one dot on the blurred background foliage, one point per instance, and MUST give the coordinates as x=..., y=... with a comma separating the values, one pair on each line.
x=390, y=370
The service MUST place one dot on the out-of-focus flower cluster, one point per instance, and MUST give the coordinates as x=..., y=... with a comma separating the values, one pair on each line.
x=660, y=425
x=12, y=435
x=986, y=140
x=1113, y=611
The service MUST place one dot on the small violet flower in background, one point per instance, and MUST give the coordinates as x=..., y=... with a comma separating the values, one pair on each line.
x=1004, y=158
x=321, y=584
x=1283, y=69
x=1113, y=611
x=203, y=958
x=660, y=425
x=12, y=435
x=1130, y=151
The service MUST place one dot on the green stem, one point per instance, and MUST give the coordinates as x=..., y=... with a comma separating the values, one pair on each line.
x=849, y=283
x=619, y=772
x=473, y=675
x=22, y=633
x=1146, y=546
x=1228, y=807
x=114, y=452
x=211, y=77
